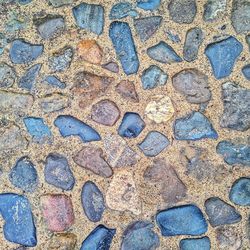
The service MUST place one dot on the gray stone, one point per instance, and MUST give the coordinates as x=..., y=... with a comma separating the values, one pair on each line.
x=53, y=102
x=248, y=41
x=7, y=75
x=59, y=3
x=213, y=9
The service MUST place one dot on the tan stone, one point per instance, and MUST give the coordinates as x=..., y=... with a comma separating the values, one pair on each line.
x=62, y=241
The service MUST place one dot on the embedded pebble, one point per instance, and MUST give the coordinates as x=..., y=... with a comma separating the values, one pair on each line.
x=248, y=41
x=3, y=42
x=111, y=66
x=122, y=10
x=148, y=4
x=54, y=82
x=91, y=158
x=127, y=90
x=173, y=36
x=57, y=172
x=195, y=244
x=153, y=77
x=62, y=241
x=59, y=3
x=221, y=213
x=246, y=71
x=24, y=175
x=105, y=112
x=223, y=55
x=182, y=220
x=139, y=236
x=7, y=75
x=92, y=201
x=57, y=212
x=153, y=144
x=18, y=219
x=214, y=9
x=163, y=53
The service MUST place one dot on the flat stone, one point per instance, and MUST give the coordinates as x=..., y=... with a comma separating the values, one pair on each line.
x=71, y=126
x=214, y=9
x=182, y=220
x=39, y=131
x=111, y=66
x=127, y=90
x=182, y=11
x=18, y=225
x=7, y=75
x=193, y=84
x=90, y=51
x=194, y=126
x=22, y=52
x=122, y=10
x=194, y=39
x=148, y=4
x=92, y=201
x=163, y=53
x=245, y=71
x=62, y=241
x=57, y=212
x=131, y=125
x=100, y=238
x=195, y=244
x=105, y=112
x=159, y=109
x=147, y=26
x=153, y=144
x=236, y=101
x=153, y=77
x=221, y=213
x=89, y=17
x=57, y=172
x=122, y=193
x=91, y=158
x=54, y=82
x=240, y=192
x=139, y=236
x=123, y=42
x=59, y=3
x=223, y=55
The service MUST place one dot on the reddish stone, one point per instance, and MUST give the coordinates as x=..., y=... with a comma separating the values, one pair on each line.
x=127, y=90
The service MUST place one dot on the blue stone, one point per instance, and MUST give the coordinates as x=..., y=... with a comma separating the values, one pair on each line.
x=194, y=126
x=163, y=53
x=154, y=143
x=140, y=236
x=24, y=52
x=131, y=125
x=19, y=225
x=69, y=125
x=24, y=2
x=55, y=82
x=3, y=42
x=148, y=4
x=234, y=153
x=92, y=201
x=240, y=192
x=246, y=71
x=121, y=10
x=195, y=244
x=153, y=77
x=27, y=81
x=99, y=239
x=182, y=220
x=122, y=39
x=222, y=56
x=39, y=131
x=89, y=17
x=24, y=175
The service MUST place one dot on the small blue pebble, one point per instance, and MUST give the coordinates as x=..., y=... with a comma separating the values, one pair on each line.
x=148, y=4
x=27, y=81
x=131, y=125
x=121, y=10
x=55, y=82
x=195, y=244
x=246, y=71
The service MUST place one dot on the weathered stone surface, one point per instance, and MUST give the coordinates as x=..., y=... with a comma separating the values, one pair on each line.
x=105, y=112
x=122, y=10
x=59, y=3
x=159, y=109
x=111, y=66
x=62, y=241
x=246, y=71
x=57, y=211
x=236, y=101
x=122, y=193
x=7, y=75
x=148, y=4
x=127, y=90
x=221, y=213
x=214, y=9
x=195, y=244
x=193, y=84
x=3, y=42
x=54, y=81
x=53, y=102
x=92, y=158
x=182, y=11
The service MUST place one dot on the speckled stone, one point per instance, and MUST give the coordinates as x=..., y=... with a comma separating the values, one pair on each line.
x=214, y=9
x=7, y=75
x=195, y=244
x=127, y=90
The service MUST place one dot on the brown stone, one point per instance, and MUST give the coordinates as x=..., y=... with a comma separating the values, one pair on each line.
x=62, y=241
x=127, y=90
x=91, y=158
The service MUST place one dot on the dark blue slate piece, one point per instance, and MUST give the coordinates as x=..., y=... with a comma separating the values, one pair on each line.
x=24, y=52
x=163, y=53
x=89, y=17
x=58, y=173
x=92, y=201
x=234, y=153
x=121, y=10
x=182, y=220
x=194, y=126
x=55, y=82
x=240, y=192
x=19, y=225
x=131, y=125
x=69, y=125
x=140, y=236
x=121, y=37
x=27, y=81
x=195, y=244
x=153, y=77
x=246, y=71
x=99, y=239
x=154, y=143
x=148, y=4
x=222, y=56
x=39, y=131
x=24, y=175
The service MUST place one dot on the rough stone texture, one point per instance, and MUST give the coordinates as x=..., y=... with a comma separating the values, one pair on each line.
x=127, y=90
x=54, y=81
x=214, y=9
x=7, y=75
x=53, y=102
x=62, y=241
